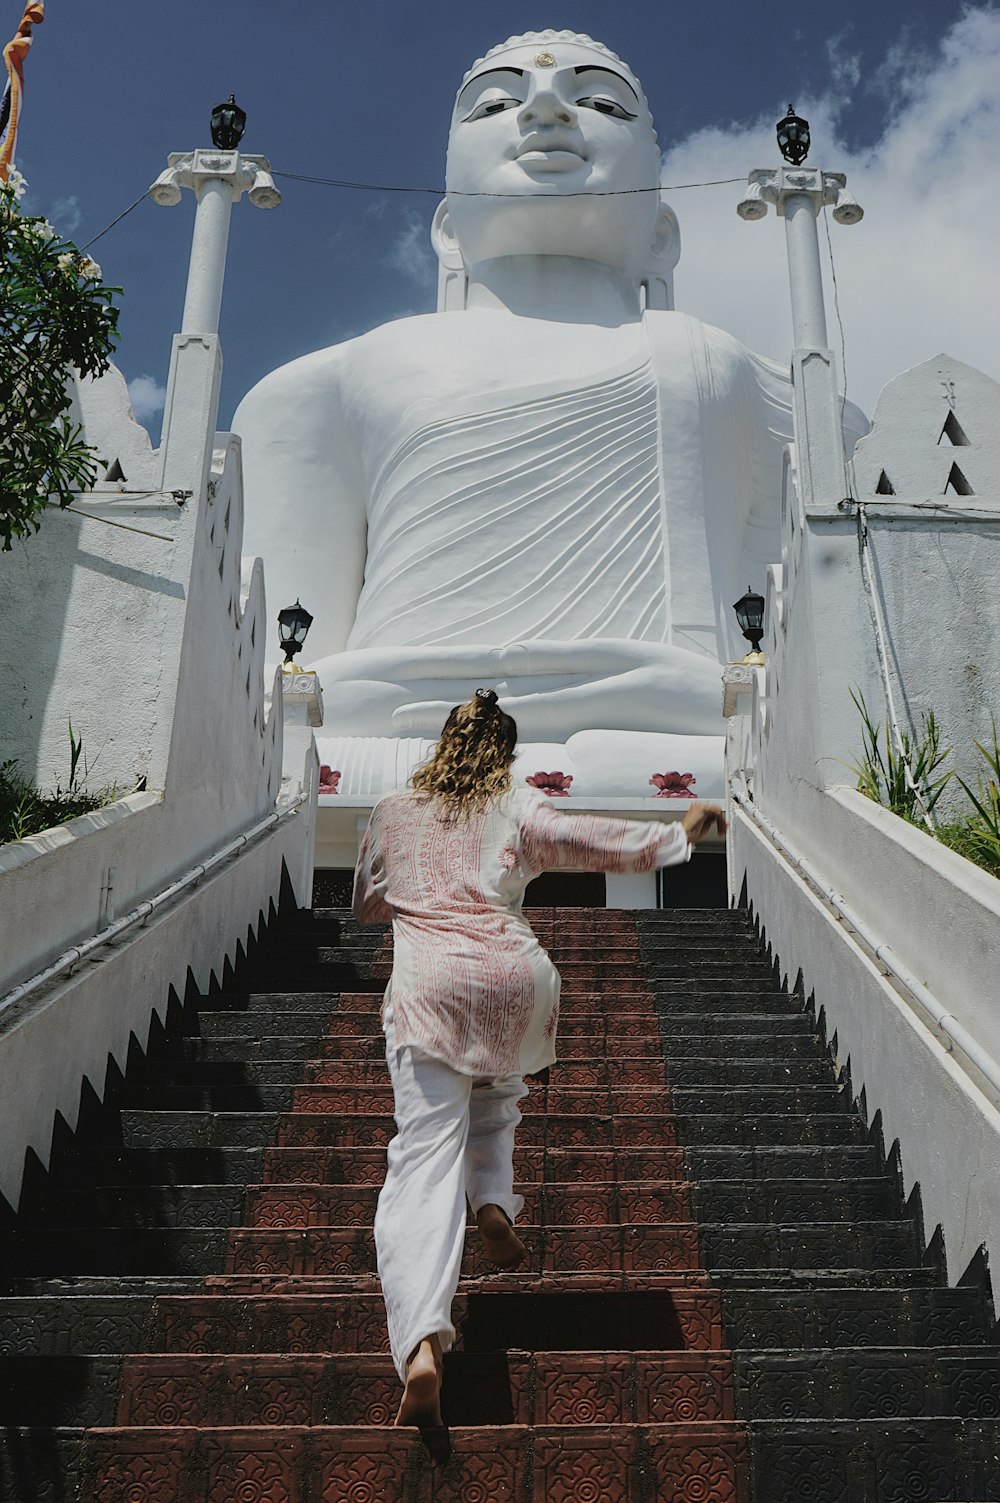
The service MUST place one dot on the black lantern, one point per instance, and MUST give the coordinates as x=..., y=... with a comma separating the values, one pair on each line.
x=293, y=624
x=793, y=137
x=750, y=614
x=228, y=124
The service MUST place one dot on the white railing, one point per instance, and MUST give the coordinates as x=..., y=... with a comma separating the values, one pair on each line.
x=951, y=1033
x=66, y=963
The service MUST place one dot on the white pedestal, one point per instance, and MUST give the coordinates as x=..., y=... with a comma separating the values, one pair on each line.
x=633, y=890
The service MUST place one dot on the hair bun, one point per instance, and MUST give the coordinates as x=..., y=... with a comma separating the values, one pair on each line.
x=488, y=696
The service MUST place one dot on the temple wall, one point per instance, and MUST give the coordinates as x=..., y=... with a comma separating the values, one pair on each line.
x=810, y=851
x=155, y=649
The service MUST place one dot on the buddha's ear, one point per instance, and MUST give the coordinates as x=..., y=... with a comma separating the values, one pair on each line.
x=665, y=252
x=453, y=282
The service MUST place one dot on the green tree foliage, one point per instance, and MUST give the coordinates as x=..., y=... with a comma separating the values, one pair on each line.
x=56, y=315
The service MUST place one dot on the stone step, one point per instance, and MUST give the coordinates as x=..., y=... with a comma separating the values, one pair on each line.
x=832, y=1161
x=357, y=1388
x=515, y=1387
x=133, y=1167
x=548, y=1314
x=785, y=1318
x=553, y=1314
x=486, y=1388
x=173, y=1093
x=713, y=995
x=796, y=1200
x=580, y=1073
x=209, y=1129
x=613, y=1201
x=620, y=1461
x=674, y=1044
x=947, y=1460
x=666, y=1248
x=942, y=1459
x=69, y=1251
x=735, y=1128
x=616, y=1101
x=531, y=1165
x=878, y=1383
x=350, y=1250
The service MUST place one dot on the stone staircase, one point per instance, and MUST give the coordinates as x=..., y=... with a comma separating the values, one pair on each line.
x=726, y=1299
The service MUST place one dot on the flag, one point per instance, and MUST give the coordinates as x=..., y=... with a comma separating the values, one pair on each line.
x=10, y=105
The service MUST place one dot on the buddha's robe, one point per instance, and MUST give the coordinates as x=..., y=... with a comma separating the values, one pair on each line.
x=566, y=511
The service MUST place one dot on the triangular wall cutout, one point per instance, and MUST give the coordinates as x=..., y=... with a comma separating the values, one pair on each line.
x=115, y=471
x=953, y=433
x=957, y=484
x=885, y=486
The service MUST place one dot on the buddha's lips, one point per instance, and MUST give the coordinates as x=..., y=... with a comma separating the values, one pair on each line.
x=548, y=145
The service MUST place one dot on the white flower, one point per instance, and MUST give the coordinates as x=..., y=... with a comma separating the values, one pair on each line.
x=17, y=182
x=90, y=268
x=43, y=229
x=66, y=262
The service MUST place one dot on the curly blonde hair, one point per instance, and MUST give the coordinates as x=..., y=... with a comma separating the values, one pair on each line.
x=470, y=766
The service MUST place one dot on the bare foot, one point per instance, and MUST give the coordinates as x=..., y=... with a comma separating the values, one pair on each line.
x=421, y=1401
x=501, y=1244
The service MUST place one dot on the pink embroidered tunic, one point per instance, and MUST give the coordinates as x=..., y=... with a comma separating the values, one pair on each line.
x=470, y=983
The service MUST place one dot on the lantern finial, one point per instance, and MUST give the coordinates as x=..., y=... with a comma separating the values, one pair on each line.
x=793, y=137
x=293, y=624
x=228, y=124
x=750, y=615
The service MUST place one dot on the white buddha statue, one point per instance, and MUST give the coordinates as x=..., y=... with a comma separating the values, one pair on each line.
x=555, y=485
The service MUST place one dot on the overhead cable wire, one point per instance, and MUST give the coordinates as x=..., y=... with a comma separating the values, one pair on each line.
x=340, y=182
x=94, y=239
x=343, y=182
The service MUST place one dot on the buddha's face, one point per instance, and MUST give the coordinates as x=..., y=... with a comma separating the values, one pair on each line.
x=551, y=130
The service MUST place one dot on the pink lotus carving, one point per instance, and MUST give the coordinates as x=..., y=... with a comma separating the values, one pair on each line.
x=673, y=784
x=555, y=784
x=329, y=780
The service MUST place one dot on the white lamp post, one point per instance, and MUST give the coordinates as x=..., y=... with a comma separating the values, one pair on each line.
x=218, y=178
x=798, y=195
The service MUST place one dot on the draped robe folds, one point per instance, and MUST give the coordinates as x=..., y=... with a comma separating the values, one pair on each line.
x=470, y=983
x=576, y=543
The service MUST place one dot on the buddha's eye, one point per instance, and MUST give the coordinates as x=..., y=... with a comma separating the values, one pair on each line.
x=605, y=106
x=493, y=107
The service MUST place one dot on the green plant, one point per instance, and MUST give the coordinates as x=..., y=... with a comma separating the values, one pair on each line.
x=24, y=810
x=56, y=315
x=882, y=772
x=983, y=825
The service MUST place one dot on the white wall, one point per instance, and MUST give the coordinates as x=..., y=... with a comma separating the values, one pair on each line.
x=937, y=566
x=155, y=648
x=947, y=1127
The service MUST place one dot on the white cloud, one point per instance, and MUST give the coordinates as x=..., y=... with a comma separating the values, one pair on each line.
x=411, y=251
x=147, y=397
x=918, y=275
x=65, y=215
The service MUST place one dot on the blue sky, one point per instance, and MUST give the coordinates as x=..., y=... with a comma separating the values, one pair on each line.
x=364, y=91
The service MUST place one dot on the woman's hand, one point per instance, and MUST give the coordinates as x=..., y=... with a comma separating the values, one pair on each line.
x=701, y=819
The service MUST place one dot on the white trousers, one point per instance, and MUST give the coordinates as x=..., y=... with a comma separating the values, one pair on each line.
x=454, y=1142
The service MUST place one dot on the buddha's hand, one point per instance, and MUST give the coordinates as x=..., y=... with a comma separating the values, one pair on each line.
x=701, y=819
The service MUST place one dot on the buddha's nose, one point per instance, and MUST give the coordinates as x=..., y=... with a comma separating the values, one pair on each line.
x=545, y=107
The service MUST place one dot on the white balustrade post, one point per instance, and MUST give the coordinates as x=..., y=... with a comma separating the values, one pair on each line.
x=798, y=195
x=218, y=179
x=207, y=267
x=805, y=279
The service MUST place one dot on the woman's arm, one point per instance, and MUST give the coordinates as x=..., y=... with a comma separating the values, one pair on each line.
x=368, y=901
x=590, y=842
